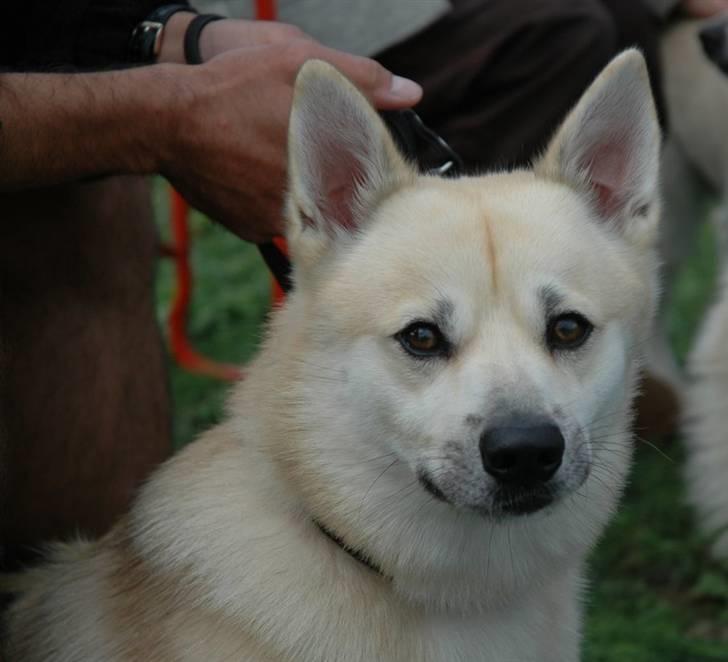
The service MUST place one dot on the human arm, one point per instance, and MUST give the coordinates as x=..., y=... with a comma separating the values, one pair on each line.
x=216, y=131
x=58, y=127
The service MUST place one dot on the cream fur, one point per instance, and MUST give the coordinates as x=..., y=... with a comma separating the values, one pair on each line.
x=219, y=558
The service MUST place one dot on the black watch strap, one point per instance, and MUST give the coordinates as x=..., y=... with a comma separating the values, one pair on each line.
x=146, y=38
x=192, y=36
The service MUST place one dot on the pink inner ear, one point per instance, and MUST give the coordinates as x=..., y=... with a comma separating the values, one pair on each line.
x=342, y=175
x=606, y=201
x=608, y=175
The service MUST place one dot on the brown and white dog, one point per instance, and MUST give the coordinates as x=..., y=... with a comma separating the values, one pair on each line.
x=434, y=433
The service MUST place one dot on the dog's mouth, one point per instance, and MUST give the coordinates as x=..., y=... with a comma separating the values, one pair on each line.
x=430, y=487
x=504, y=501
x=522, y=500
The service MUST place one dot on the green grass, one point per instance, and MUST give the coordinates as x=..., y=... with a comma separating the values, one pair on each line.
x=655, y=595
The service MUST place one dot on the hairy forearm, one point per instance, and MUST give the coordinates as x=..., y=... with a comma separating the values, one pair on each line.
x=56, y=128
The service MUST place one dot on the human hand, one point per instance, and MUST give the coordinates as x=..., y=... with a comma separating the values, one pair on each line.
x=229, y=34
x=226, y=152
x=704, y=8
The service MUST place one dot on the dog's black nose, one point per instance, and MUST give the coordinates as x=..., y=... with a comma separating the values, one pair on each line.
x=525, y=453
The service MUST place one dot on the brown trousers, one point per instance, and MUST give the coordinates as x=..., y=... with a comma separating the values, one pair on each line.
x=500, y=75
x=84, y=412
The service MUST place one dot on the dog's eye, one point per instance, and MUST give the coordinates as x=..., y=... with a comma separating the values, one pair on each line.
x=423, y=339
x=567, y=331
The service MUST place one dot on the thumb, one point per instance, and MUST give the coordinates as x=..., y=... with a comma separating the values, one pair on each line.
x=705, y=8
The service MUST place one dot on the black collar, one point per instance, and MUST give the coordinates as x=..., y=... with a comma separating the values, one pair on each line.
x=351, y=551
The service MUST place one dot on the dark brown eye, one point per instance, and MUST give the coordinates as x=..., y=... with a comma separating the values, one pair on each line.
x=423, y=339
x=568, y=331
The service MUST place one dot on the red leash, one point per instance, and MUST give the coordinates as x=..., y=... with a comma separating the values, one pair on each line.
x=180, y=346
x=265, y=10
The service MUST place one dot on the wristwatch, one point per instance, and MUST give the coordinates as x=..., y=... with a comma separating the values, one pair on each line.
x=146, y=38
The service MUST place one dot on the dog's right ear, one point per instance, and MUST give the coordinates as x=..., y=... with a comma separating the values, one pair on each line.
x=341, y=161
x=609, y=148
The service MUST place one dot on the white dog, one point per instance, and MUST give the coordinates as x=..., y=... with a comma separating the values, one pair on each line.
x=435, y=432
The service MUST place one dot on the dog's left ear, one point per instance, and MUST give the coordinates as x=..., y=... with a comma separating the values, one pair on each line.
x=341, y=159
x=609, y=148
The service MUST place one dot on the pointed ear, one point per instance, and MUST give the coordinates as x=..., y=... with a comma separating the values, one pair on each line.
x=609, y=145
x=341, y=161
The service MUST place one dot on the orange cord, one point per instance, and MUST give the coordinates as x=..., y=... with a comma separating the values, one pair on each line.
x=279, y=295
x=265, y=10
x=180, y=345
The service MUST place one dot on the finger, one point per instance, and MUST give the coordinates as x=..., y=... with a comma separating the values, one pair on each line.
x=383, y=88
x=705, y=8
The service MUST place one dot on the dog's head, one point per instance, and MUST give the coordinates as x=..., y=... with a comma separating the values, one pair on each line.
x=470, y=341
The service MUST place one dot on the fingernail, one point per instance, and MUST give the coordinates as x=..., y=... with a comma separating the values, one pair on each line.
x=404, y=88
